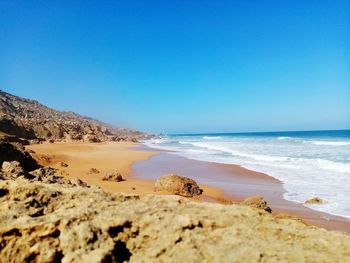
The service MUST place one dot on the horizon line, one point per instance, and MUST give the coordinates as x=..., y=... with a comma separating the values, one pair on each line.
x=254, y=132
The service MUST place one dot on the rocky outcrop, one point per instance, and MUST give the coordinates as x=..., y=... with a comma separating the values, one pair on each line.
x=315, y=201
x=13, y=152
x=12, y=168
x=16, y=163
x=29, y=119
x=178, y=185
x=113, y=176
x=47, y=223
x=13, y=171
x=50, y=175
x=256, y=202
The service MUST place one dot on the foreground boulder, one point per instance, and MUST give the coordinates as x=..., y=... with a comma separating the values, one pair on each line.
x=49, y=223
x=178, y=185
x=256, y=202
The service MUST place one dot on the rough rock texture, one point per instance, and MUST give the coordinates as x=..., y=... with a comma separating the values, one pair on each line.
x=14, y=152
x=315, y=201
x=13, y=170
x=256, y=202
x=178, y=185
x=46, y=223
x=29, y=119
x=52, y=176
x=288, y=216
x=93, y=171
x=13, y=167
x=113, y=176
x=13, y=139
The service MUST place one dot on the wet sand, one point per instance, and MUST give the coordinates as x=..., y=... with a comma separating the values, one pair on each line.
x=237, y=182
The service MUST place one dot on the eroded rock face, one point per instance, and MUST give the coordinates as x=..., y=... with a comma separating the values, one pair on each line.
x=45, y=223
x=256, y=202
x=178, y=185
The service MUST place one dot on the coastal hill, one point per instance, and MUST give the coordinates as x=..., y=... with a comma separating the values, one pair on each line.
x=32, y=120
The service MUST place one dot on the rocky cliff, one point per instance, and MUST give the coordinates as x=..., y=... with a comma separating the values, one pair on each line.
x=79, y=224
x=29, y=119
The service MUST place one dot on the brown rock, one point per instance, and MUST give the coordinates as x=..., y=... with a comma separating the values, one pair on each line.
x=44, y=171
x=14, y=168
x=91, y=138
x=50, y=175
x=315, y=201
x=284, y=216
x=93, y=171
x=178, y=185
x=11, y=152
x=113, y=176
x=63, y=164
x=50, y=223
x=256, y=202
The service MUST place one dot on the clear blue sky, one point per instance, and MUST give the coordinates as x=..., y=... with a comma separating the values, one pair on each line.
x=183, y=66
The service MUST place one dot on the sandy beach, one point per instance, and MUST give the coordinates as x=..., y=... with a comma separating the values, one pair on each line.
x=141, y=166
x=105, y=157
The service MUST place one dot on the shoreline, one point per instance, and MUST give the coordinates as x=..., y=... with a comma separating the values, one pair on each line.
x=242, y=182
x=131, y=158
x=106, y=157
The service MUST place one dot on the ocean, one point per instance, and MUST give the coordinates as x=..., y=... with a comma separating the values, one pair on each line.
x=308, y=163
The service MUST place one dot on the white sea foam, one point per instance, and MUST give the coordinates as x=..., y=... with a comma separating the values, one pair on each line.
x=284, y=138
x=334, y=166
x=307, y=167
x=258, y=157
x=329, y=143
x=211, y=137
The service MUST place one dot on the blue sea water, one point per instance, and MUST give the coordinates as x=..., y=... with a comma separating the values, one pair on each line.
x=308, y=163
